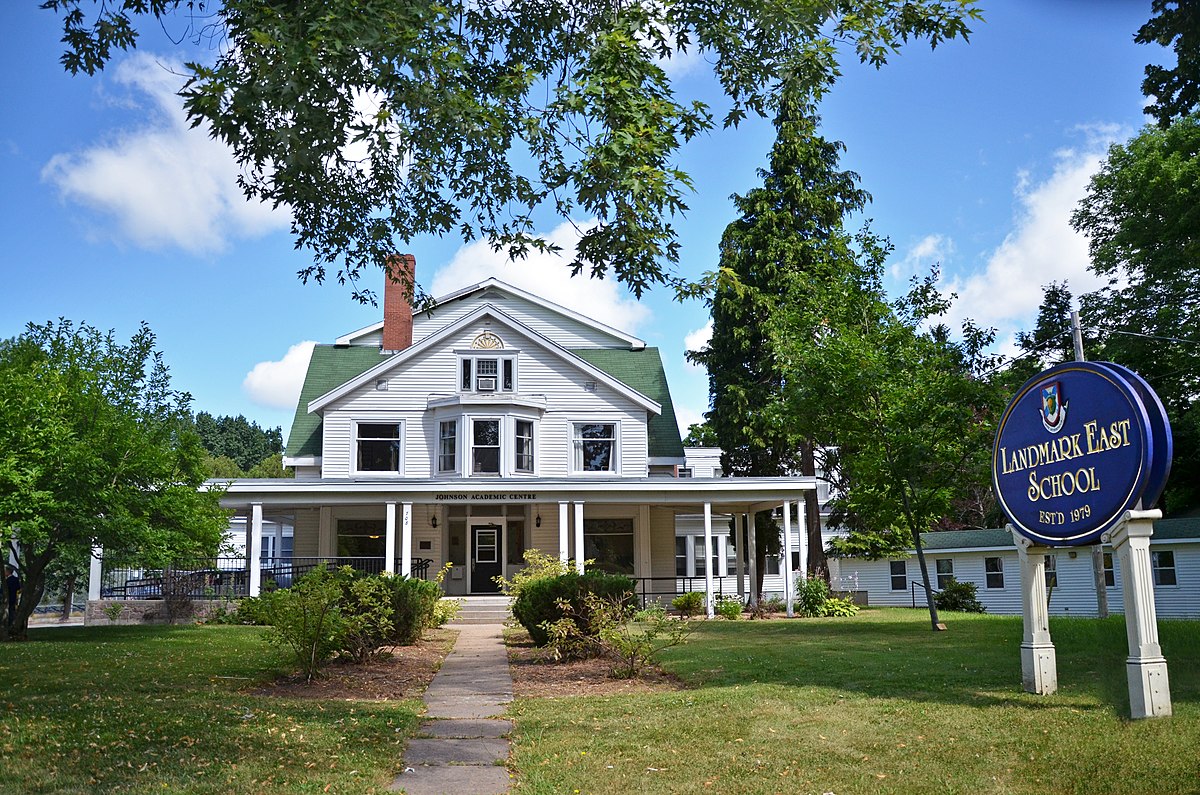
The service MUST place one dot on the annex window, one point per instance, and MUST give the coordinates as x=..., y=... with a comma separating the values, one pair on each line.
x=377, y=447
x=685, y=472
x=772, y=565
x=899, y=574
x=1051, y=571
x=447, y=446
x=681, y=556
x=1110, y=574
x=485, y=447
x=595, y=447
x=523, y=439
x=993, y=572
x=1163, y=565
x=945, y=572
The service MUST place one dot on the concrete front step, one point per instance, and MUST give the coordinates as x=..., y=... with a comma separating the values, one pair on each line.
x=483, y=610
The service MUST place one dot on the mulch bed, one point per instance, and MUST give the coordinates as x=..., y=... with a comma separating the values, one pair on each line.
x=405, y=672
x=536, y=675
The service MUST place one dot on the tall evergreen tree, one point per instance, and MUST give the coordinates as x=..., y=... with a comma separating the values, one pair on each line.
x=790, y=225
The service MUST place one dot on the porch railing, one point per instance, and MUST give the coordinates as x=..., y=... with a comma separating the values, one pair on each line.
x=228, y=577
x=664, y=589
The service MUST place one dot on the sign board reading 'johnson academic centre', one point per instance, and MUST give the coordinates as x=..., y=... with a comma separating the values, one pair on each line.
x=1080, y=444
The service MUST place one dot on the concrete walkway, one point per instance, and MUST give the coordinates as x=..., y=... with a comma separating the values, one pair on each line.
x=463, y=745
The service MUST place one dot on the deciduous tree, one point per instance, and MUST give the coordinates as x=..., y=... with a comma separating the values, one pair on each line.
x=96, y=449
x=375, y=121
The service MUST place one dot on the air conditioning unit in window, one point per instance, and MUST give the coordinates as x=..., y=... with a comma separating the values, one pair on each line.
x=486, y=384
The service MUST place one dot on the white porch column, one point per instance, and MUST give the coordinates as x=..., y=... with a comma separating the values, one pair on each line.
x=389, y=539
x=752, y=544
x=406, y=539
x=1039, y=664
x=254, y=548
x=739, y=530
x=1145, y=667
x=787, y=558
x=563, y=533
x=579, y=537
x=802, y=535
x=95, y=572
x=708, y=556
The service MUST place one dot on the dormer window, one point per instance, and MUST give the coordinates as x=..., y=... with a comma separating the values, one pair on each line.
x=489, y=373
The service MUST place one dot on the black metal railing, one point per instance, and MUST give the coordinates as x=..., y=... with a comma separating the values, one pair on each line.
x=666, y=588
x=912, y=588
x=228, y=577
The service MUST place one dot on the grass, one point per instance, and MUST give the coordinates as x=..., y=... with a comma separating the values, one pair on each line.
x=874, y=704
x=170, y=709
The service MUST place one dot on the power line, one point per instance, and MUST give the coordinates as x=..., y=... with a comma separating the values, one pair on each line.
x=1144, y=336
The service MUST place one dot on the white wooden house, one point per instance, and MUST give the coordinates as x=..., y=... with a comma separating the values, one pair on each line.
x=988, y=559
x=493, y=423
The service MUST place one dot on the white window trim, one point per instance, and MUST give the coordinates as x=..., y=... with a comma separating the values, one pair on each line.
x=616, y=457
x=469, y=448
x=513, y=419
x=1154, y=570
x=986, y=573
x=937, y=575
x=891, y=577
x=375, y=473
x=500, y=355
x=458, y=446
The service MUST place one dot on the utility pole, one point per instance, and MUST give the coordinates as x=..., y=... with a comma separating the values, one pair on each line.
x=1097, y=549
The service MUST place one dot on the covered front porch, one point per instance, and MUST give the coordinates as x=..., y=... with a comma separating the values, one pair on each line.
x=482, y=531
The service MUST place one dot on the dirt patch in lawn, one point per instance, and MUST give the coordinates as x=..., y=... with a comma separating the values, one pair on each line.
x=536, y=675
x=405, y=673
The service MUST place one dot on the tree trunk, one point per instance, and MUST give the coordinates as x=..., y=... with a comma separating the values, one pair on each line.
x=68, y=598
x=933, y=614
x=33, y=585
x=818, y=565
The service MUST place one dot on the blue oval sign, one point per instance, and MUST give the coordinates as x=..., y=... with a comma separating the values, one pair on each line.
x=1074, y=451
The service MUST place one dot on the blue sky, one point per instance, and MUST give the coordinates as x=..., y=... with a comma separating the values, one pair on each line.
x=975, y=154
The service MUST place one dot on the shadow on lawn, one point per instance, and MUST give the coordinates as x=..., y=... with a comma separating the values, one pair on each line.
x=892, y=653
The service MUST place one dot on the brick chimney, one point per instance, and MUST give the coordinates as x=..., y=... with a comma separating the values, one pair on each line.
x=399, y=281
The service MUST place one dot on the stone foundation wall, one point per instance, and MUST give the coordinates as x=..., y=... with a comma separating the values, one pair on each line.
x=150, y=611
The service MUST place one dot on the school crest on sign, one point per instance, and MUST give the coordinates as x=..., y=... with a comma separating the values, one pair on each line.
x=1054, y=409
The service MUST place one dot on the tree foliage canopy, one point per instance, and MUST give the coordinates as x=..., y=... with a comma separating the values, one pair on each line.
x=97, y=449
x=1174, y=92
x=239, y=439
x=1143, y=226
x=376, y=121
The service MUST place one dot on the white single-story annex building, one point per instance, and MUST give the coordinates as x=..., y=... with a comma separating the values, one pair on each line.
x=493, y=423
x=988, y=559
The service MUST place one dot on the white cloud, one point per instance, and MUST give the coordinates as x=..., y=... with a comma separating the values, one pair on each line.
x=1042, y=246
x=686, y=417
x=277, y=384
x=165, y=184
x=929, y=251
x=696, y=340
x=547, y=276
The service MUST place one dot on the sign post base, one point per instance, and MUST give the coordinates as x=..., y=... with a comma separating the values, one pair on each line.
x=1039, y=663
x=1145, y=668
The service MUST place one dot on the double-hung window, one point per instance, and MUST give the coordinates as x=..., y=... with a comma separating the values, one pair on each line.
x=485, y=447
x=993, y=572
x=595, y=447
x=1162, y=563
x=448, y=446
x=487, y=374
x=377, y=446
x=1110, y=574
x=1051, y=571
x=945, y=572
x=523, y=445
x=899, y=574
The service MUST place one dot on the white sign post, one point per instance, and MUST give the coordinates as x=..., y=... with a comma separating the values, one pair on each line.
x=1145, y=668
x=1039, y=664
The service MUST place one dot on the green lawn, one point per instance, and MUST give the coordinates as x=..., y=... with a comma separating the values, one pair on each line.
x=157, y=709
x=875, y=703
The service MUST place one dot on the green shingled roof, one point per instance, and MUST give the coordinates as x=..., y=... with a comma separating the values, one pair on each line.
x=330, y=367
x=1188, y=527
x=642, y=370
x=333, y=365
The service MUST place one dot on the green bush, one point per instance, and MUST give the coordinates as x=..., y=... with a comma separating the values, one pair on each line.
x=958, y=597
x=537, y=602
x=773, y=604
x=840, y=607
x=630, y=639
x=414, y=606
x=729, y=607
x=813, y=593
x=688, y=604
x=367, y=613
x=307, y=619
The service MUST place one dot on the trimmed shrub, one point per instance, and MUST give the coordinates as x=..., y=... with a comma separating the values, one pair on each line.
x=414, y=604
x=537, y=601
x=307, y=619
x=689, y=604
x=367, y=614
x=958, y=597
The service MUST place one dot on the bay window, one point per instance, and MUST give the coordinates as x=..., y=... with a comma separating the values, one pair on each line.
x=447, y=446
x=523, y=447
x=485, y=447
